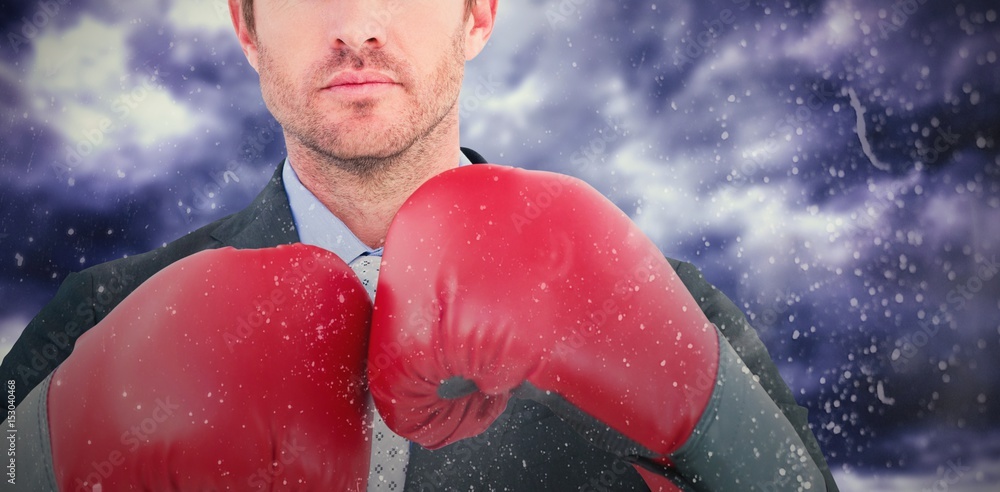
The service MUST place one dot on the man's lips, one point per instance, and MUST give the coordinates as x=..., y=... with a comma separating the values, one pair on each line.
x=359, y=82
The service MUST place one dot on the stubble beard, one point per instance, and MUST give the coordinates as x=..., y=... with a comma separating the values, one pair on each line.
x=404, y=138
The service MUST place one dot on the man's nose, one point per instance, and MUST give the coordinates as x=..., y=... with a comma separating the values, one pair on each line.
x=358, y=24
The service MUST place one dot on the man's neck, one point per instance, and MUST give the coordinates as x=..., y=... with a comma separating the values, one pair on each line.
x=366, y=204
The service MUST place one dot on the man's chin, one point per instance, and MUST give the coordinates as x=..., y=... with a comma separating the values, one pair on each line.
x=365, y=150
x=353, y=145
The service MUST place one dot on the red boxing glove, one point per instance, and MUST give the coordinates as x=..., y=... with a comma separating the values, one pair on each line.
x=227, y=370
x=498, y=282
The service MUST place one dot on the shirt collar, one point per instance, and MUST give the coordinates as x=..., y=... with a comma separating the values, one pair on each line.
x=318, y=226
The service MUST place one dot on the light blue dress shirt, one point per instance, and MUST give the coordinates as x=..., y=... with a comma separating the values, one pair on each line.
x=318, y=226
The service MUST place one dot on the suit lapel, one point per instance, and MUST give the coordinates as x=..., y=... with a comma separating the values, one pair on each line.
x=266, y=222
x=473, y=156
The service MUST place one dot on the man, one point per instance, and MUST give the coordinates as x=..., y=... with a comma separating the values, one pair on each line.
x=366, y=92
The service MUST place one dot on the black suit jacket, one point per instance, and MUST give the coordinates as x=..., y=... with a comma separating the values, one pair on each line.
x=529, y=448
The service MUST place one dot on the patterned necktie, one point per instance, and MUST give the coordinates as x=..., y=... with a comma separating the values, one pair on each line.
x=387, y=471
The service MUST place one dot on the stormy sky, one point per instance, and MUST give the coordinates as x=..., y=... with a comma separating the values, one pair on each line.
x=831, y=165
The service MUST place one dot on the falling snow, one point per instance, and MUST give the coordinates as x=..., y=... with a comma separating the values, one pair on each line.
x=831, y=166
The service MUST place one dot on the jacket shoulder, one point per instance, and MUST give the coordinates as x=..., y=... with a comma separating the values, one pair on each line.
x=133, y=270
